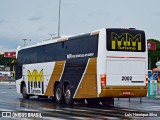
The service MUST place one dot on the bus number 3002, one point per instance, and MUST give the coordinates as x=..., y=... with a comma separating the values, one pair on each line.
x=126, y=78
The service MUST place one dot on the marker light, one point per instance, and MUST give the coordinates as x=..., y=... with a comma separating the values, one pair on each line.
x=103, y=80
x=146, y=79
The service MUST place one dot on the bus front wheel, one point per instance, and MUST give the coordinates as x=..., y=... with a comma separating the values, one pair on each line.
x=24, y=92
x=58, y=92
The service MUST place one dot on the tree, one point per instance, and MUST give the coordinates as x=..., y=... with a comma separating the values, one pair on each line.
x=1, y=59
x=5, y=61
x=154, y=56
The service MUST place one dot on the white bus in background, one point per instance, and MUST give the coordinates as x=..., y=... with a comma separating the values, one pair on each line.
x=96, y=67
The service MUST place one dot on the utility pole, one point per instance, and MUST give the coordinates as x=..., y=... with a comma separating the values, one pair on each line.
x=59, y=18
x=51, y=36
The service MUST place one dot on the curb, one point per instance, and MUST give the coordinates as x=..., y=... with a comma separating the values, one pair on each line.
x=7, y=80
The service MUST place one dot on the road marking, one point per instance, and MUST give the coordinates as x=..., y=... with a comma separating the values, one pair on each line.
x=149, y=108
x=25, y=109
x=74, y=109
x=81, y=118
x=52, y=118
x=111, y=118
x=139, y=107
x=152, y=107
x=8, y=83
x=50, y=109
x=3, y=92
x=5, y=110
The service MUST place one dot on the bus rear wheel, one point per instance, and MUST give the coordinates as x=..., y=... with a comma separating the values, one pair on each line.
x=107, y=101
x=24, y=92
x=93, y=101
x=68, y=95
x=58, y=92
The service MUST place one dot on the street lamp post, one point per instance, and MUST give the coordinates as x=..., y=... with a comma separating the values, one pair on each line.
x=25, y=41
x=59, y=18
x=52, y=35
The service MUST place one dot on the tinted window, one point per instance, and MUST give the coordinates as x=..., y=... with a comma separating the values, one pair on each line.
x=82, y=47
x=59, y=51
x=125, y=40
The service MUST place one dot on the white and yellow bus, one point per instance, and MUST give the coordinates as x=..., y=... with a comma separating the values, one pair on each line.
x=96, y=67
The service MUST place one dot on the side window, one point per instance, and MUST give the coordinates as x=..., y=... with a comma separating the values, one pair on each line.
x=72, y=47
x=44, y=53
x=24, y=56
x=83, y=45
x=59, y=50
x=39, y=53
x=93, y=44
x=18, y=71
x=19, y=57
x=30, y=56
x=56, y=51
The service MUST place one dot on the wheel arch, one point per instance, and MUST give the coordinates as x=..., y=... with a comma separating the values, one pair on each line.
x=54, y=86
x=22, y=83
x=65, y=84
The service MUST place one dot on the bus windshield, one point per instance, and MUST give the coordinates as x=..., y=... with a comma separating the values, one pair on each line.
x=129, y=40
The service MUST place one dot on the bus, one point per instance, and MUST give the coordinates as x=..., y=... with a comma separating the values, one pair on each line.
x=95, y=67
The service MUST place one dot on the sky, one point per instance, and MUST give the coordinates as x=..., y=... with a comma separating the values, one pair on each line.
x=35, y=20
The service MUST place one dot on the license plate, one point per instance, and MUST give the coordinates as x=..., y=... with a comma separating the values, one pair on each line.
x=126, y=93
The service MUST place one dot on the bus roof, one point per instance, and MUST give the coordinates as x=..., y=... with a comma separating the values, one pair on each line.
x=56, y=39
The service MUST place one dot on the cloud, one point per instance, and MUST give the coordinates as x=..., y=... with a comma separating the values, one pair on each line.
x=8, y=44
x=97, y=12
x=40, y=28
x=157, y=13
x=68, y=4
x=36, y=18
x=3, y=21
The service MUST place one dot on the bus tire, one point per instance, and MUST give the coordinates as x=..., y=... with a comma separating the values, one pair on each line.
x=107, y=101
x=79, y=101
x=24, y=92
x=68, y=95
x=93, y=101
x=58, y=93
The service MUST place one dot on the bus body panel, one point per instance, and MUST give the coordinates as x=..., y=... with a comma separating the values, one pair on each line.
x=125, y=63
x=101, y=61
x=55, y=76
x=126, y=73
x=37, y=77
x=38, y=83
x=123, y=91
x=87, y=87
x=18, y=85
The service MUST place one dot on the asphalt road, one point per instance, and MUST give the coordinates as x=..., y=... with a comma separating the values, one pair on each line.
x=13, y=106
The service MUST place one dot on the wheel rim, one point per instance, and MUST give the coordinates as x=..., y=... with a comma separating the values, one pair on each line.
x=58, y=94
x=67, y=94
x=24, y=90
